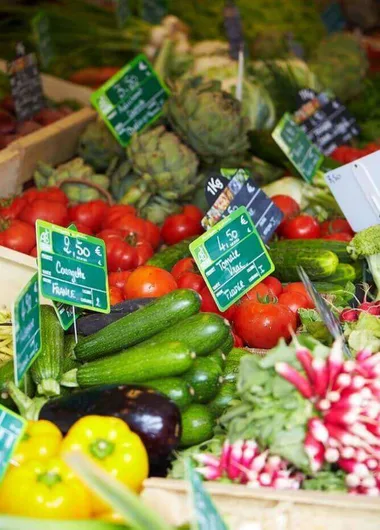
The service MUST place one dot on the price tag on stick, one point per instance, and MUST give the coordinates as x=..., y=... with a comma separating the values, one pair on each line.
x=72, y=267
x=303, y=154
x=26, y=328
x=205, y=514
x=231, y=258
x=131, y=99
x=328, y=317
x=12, y=428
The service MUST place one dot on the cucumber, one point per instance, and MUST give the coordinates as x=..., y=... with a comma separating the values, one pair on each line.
x=219, y=357
x=223, y=398
x=231, y=369
x=337, y=247
x=202, y=333
x=167, y=258
x=197, y=425
x=228, y=344
x=175, y=389
x=318, y=264
x=165, y=312
x=344, y=273
x=7, y=375
x=135, y=365
x=205, y=377
x=47, y=368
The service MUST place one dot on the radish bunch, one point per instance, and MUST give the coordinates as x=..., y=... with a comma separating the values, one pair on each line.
x=346, y=427
x=352, y=314
x=244, y=463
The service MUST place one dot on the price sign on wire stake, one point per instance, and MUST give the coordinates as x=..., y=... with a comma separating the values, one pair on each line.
x=72, y=267
x=26, y=86
x=131, y=99
x=205, y=514
x=293, y=141
x=12, y=428
x=356, y=188
x=331, y=321
x=26, y=328
x=231, y=258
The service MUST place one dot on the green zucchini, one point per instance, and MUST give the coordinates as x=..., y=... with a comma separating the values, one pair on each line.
x=205, y=377
x=231, y=369
x=175, y=389
x=69, y=362
x=318, y=264
x=218, y=356
x=167, y=258
x=228, y=344
x=338, y=247
x=223, y=398
x=47, y=368
x=344, y=273
x=165, y=312
x=136, y=365
x=197, y=425
x=202, y=333
x=6, y=375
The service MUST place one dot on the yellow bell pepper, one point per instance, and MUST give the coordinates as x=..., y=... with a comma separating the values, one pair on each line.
x=46, y=489
x=111, y=517
x=112, y=445
x=42, y=439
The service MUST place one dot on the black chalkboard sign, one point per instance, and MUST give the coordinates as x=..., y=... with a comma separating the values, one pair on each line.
x=326, y=121
x=26, y=86
x=234, y=29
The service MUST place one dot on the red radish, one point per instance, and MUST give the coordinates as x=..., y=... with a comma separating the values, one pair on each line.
x=349, y=315
x=321, y=376
x=27, y=127
x=332, y=455
x=295, y=378
x=305, y=358
x=318, y=430
x=209, y=473
x=335, y=362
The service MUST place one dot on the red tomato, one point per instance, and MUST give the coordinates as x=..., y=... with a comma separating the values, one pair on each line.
x=31, y=194
x=301, y=227
x=119, y=279
x=336, y=226
x=152, y=234
x=209, y=306
x=19, y=236
x=120, y=255
x=53, y=212
x=90, y=214
x=52, y=193
x=294, y=301
x=191, y=280
x=238, y=342
x=148, y=282
x=298, y=287
x=339, y=236
x=289, y=207
x=115, y=212
x=116, y=295
x=183, y=265
x=144, y=251
x=258, y=292
x=14, y=209
x=192, y=211
x=262, y=325
x=274, y=285
x=179, y=227
x=83, y=229
x=33, y=252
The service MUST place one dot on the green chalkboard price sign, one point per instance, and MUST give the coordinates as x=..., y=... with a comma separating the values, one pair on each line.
x=131, y=99
x=26, y=328
x=205, y=514
x=12, y=428
x=231, y=258
x=72, y=267
x=303, y=154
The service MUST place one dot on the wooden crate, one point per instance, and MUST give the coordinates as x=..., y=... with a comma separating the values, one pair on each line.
x=268, y=509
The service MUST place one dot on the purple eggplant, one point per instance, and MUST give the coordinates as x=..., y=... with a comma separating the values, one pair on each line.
x=152, y=416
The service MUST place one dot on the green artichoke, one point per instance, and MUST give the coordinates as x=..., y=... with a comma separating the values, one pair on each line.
x=166, y=166
x=157, y=209
x=210, y=121
x=47, y=175
x=98, y=147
